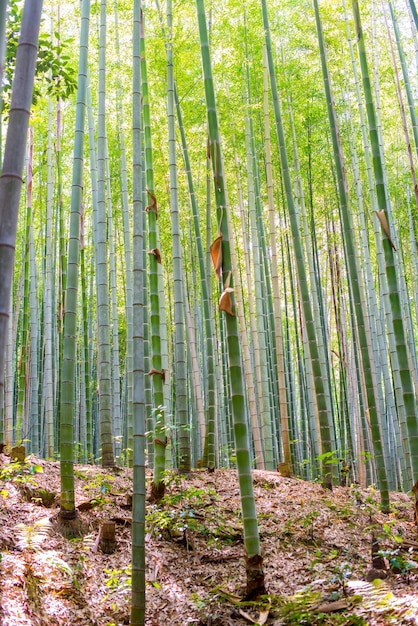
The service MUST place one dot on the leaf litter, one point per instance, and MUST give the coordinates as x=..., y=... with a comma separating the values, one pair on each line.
x=316, y=548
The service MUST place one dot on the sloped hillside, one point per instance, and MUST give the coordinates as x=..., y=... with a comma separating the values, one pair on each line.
x=317, y=552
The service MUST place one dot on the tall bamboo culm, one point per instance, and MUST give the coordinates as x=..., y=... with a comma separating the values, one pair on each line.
x=14, y=156
x=138, y=375
x=408, y=392
x=223, y=268
x=68, y=516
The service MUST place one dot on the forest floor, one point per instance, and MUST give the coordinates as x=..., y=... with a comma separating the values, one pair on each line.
x=316, y=547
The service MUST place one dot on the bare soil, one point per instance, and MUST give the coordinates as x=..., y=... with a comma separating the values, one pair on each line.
x=316, y=548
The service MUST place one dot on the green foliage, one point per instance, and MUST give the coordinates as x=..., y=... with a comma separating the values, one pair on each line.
x=102, y=482
x=398, y=562
x=118, y=578
x=20, y=472
x=305, y=608
x=55, y=67
x=181, y=511
x=328, y=458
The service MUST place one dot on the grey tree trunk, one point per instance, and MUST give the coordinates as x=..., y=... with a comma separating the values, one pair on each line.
x=14, y=156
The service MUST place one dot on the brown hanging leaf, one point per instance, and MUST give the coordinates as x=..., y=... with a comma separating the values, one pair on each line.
x=153, y=206
x=154, y=371
x=384, y=224
x=156, y=253
x=225, y=302
x=208, y=148
x=161, y=443
x=216, y=255
x=216, y=157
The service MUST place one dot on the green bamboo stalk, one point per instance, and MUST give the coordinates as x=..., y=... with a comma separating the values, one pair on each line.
x=256, y=317
x=378, y=341
x=277, y=306
x=306, y=409
x=309, y=239
x=3, y=14
x=127, y=248
x=68, y=514
x=414, y=12
x=384, y=294
x=413, y=31
x=319, y=375
x=9, y=381
x=407, y=84
x=254, y=567
x=414, y=256
x=354, y=276
x=3, y=21
x=248, y=368
x=210, y=404
x=388, y=247
x=62, y=234
x=48, y=296
x=264, y=307
x=178, y=277
x=154, y=258
x=138, y=360
x=147, y=327
x=116, y=407
x=88, y=344
x=23, y=364
x=103, y=323
x=33, y=412
x=14, y=155
x=195, y=367
x=86, y=395
x=403, y=287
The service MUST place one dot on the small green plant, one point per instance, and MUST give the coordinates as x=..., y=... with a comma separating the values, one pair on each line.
x=308, y=523
x=20, y=472
x=305, y=608
x=181, y=511
x=398, y=563
x=340, y=574
x=118, y=578
x=102, y=482
x=328, y=458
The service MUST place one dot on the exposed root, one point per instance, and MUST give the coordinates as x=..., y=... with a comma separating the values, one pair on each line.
x=69, y=524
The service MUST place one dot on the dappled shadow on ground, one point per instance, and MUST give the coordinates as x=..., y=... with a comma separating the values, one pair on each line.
x=316, y=547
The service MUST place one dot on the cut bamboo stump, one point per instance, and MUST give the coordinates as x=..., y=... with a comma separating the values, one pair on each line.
x=18, y=453
x=285, y=470
x=107, y=537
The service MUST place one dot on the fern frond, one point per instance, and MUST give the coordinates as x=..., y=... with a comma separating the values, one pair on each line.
x=378, y=600
x=32, y=537
x=51, y=558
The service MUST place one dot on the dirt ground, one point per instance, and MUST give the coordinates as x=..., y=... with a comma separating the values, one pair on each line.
x=316, y=547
